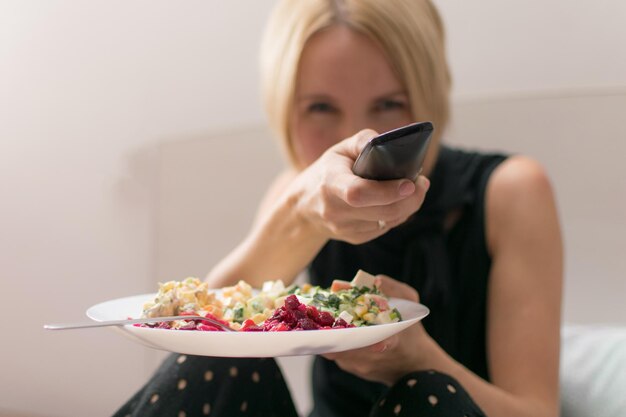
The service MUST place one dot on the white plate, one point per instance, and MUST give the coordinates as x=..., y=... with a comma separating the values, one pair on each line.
x=253, y=344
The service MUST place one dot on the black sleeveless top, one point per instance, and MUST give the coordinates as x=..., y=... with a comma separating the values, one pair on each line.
x=449, y=269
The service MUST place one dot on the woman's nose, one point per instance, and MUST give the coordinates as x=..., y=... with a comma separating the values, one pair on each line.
x=352, y=125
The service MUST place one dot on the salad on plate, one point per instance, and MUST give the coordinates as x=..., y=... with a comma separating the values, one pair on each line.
x=274, y=307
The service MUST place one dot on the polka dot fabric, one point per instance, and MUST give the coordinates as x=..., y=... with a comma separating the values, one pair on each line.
x=193, y=386
x=428, y=394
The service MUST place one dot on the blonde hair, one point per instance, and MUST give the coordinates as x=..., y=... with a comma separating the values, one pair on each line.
x=410, y=32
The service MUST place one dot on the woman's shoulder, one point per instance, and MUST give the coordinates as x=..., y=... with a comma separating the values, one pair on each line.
x=519, y=195
x=519, y=178
x=514, y=192
x=504, y=170
x=503, y=176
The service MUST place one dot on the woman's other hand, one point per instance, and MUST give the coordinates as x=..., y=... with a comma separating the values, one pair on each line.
x=343, y=206
x=389, y=360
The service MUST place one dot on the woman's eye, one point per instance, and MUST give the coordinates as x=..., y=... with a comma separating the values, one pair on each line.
x=384, y=105
x=320, y=108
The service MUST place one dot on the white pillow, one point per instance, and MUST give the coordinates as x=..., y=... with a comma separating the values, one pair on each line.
x=593, y=371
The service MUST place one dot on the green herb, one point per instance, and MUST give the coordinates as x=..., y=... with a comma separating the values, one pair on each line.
x=333, y=301
x=238, y=314
x=321, y=298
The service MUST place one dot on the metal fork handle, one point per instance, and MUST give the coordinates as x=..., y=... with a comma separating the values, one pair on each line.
x=68, y=326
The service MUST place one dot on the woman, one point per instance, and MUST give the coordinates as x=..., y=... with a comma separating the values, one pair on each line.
x=481, y=245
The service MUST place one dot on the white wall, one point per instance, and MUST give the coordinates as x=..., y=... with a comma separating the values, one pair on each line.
x=500, y=47
x=91, y=93
x=88, y=91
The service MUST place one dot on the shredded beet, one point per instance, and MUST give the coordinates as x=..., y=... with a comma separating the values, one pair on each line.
x=297, y=316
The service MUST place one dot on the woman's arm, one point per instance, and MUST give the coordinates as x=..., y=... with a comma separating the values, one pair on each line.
x=524, y=306
x=524, y=299
x=304, y=209
x=524, y=296
x=278, y=245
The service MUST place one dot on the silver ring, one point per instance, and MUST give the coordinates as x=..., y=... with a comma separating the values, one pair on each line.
x=382, y=224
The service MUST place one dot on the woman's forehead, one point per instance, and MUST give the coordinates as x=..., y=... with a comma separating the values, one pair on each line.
x=339, y=58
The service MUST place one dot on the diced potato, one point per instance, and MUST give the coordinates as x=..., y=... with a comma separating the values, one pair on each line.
x=360, y=310
x=273, y=288
x=345, y=316
x=383, y=317
x=363, y=279
x=258, y=318
x=369, y=317
x=228, y=301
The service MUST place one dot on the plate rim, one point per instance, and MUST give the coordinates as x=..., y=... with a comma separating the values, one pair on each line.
x=154, y=337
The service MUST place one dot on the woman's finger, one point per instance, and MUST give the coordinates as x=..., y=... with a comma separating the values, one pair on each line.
x=361, y=192
x=393, y=288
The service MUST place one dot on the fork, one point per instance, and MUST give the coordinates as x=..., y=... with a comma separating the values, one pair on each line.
x=68, y=326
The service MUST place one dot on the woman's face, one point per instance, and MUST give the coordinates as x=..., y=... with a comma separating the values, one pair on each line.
x=344, y=84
